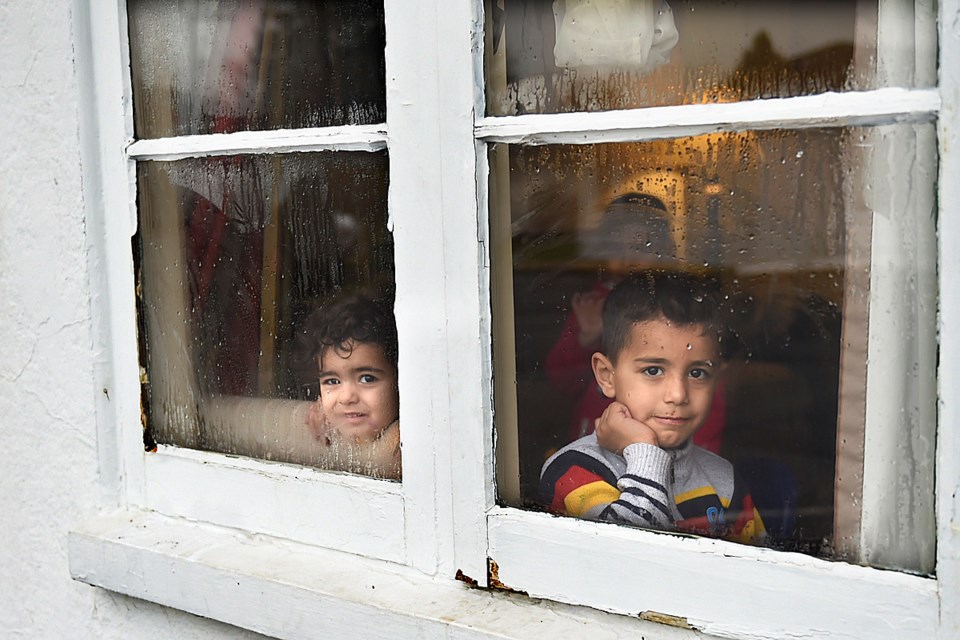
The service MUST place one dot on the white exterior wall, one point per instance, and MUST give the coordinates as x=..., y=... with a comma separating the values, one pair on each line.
x=48, y=452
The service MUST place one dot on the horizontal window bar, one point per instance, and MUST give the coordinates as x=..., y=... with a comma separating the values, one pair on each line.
x=883, y=106
x=348, y=138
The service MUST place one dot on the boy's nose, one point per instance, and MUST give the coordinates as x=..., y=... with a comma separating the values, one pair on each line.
x=676, y=391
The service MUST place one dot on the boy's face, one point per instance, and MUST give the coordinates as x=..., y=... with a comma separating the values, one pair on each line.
x=358, y=390
x=665, y=376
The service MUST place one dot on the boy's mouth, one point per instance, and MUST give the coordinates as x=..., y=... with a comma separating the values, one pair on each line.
x=676, y=421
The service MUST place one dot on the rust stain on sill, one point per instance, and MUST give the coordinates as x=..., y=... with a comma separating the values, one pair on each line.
x=666, y=618
x=462, y=577
x=493, y=577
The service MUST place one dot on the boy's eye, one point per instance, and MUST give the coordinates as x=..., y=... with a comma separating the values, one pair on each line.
x=368, y=378
x=329, y=381
x=699, y=374
x=653, y=371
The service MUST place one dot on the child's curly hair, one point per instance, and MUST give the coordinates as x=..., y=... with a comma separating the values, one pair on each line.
x=354, y=318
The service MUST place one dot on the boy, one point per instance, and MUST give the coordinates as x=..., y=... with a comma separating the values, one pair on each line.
x=354, y=343
x=634, y=230
x=660, y=364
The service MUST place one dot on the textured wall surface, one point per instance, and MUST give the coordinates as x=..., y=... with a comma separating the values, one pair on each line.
x=48, y=464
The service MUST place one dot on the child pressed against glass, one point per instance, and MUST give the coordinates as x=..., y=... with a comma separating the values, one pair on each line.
x=660, y=364
x=354, y=343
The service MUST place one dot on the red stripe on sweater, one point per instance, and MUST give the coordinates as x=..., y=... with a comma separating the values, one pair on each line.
x=574, y=478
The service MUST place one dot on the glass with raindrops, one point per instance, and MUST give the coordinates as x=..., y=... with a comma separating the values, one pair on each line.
x=820, y=243
x=557, y=56
x=221, y=66
x=234, y=255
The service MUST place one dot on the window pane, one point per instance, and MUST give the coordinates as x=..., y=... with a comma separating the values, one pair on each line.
x=821, y=246
x=216, y=66
x=557, y=56
x=235, y=256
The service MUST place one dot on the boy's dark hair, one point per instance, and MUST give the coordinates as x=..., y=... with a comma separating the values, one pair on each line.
x=682, y=298
x=352, y=318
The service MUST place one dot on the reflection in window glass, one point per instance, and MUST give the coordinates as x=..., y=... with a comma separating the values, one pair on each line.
x=217, y=66
x=822, y=249
x=552, y=56
x=236, y=255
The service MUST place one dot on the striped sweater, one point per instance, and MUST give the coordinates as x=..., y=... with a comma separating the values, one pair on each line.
x=687, y=489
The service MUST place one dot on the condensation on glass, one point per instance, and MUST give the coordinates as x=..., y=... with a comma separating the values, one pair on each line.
x=823, y=242
x=234, y=253
x=218, y=66
x=544, y=56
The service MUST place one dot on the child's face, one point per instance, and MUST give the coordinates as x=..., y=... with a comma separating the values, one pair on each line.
x=358, y=390
x=665, y=376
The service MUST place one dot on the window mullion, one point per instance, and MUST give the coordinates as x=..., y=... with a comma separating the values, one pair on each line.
x=463, y=186
x=416, y=219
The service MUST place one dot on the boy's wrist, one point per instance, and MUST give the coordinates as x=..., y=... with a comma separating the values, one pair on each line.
x=647, y=461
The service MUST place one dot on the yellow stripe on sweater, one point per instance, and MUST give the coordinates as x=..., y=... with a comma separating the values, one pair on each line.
x=584, y=498
x=699, y=493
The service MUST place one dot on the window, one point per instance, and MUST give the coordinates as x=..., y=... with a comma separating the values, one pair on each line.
x=472, y=184
x=819, y=229
x=260, y=184
x=237, y=252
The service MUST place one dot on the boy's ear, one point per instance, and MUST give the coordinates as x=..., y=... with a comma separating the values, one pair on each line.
x=603, y=372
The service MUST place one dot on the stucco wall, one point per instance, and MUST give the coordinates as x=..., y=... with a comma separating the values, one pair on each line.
x=48, y=462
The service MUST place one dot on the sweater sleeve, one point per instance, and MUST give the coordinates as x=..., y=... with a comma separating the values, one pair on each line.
x=644, y=499
x=577, y=484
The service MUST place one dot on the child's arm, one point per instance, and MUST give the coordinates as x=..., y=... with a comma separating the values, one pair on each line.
x=580, y=484
x=379, y=458
x=644, y=499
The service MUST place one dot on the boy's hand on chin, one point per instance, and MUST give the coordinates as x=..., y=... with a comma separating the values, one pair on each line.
x=616, y=429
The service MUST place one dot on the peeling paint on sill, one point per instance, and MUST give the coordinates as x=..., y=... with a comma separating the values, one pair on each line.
x=665, y=618
x=493, y=578
x=462, y=577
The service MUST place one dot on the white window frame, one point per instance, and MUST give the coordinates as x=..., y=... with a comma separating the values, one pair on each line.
x=376, y=519
x=442, y=520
